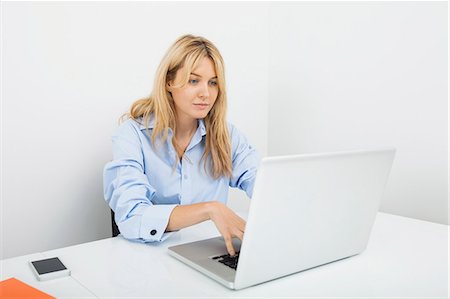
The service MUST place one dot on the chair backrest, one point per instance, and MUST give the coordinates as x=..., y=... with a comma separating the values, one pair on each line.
x=115, y=228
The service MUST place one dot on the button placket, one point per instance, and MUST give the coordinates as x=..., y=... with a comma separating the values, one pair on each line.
x=185, y=177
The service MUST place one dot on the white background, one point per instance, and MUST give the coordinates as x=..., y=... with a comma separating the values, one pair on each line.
x=362, y=75
x=301, y=77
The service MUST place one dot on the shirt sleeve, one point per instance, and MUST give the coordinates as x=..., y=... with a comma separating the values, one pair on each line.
x=245, y=160
x=129, y=193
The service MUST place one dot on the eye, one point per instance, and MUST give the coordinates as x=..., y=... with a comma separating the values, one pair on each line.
x=193, y=81
x=213, y=83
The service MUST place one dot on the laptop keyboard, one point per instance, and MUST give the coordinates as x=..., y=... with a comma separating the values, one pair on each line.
x=226, y=259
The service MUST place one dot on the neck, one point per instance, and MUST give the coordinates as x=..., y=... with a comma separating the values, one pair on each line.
x=185, y=127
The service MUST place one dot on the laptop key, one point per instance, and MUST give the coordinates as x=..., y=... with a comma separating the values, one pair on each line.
x=226, y=259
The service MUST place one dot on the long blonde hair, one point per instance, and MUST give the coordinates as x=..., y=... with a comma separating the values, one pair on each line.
x=188, y=51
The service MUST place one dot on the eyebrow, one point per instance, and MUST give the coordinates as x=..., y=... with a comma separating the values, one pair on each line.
x=201, y=76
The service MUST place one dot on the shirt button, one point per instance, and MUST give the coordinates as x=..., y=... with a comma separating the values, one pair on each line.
x=185, y=177
x=153, y=232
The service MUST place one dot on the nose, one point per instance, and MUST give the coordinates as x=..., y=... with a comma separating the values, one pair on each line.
x=204, y=91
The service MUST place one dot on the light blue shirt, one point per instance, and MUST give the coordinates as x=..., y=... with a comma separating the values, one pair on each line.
x=142, y=185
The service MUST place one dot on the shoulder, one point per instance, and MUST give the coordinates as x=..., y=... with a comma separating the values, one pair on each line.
x=233, y=130
x=129, y=128
x=237, y=137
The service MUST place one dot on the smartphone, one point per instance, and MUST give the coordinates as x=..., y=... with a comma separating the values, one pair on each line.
x=49, y=269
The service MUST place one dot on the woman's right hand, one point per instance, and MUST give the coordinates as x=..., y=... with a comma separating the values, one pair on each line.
x=228, y=223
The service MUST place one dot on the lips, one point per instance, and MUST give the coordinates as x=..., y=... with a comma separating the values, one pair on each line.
x=201, y=106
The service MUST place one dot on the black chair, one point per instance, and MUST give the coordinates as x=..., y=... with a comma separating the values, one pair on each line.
x=115, y=229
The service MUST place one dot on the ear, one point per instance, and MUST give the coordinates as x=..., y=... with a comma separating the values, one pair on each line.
x=169, y=87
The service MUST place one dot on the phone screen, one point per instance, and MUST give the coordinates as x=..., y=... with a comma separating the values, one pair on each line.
x=48, y=265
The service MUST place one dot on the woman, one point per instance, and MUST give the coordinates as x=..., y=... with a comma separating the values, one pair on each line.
x=176, y=156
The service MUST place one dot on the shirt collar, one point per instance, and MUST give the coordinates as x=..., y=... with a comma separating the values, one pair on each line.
x=143, y=125
x=151, y=124
x=201, y=126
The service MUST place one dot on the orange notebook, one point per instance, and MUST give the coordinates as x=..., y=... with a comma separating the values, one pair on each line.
x=15, y=289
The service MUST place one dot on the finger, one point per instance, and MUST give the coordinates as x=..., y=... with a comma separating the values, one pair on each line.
x=235, y=218
x=230, y=247
x=239, y=220
x=239, y=235
x=241, y=226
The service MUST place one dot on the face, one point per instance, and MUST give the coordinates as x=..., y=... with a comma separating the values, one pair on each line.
x=197, y=97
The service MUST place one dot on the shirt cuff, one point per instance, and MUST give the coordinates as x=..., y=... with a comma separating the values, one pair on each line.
x=154, y=222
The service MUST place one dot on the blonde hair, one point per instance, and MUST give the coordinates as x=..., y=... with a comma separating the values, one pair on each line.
x=188, y=51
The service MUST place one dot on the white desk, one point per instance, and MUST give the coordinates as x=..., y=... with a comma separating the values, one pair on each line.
x=19, y=268
x=405, y=258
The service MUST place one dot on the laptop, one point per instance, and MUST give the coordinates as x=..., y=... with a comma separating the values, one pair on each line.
x=306, y=211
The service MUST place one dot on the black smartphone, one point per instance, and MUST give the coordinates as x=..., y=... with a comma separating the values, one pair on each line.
x=49, y=268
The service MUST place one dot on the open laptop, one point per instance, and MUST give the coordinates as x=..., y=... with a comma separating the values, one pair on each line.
x=306, y=211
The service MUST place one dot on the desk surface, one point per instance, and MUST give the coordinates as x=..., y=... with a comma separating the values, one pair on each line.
x=405, y=258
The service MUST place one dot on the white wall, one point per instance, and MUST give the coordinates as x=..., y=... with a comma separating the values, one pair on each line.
x=362, y=75
x=69, y=71
x=338, y=76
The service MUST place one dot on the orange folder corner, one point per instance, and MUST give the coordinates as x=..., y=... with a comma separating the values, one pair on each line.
x=15, y=289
